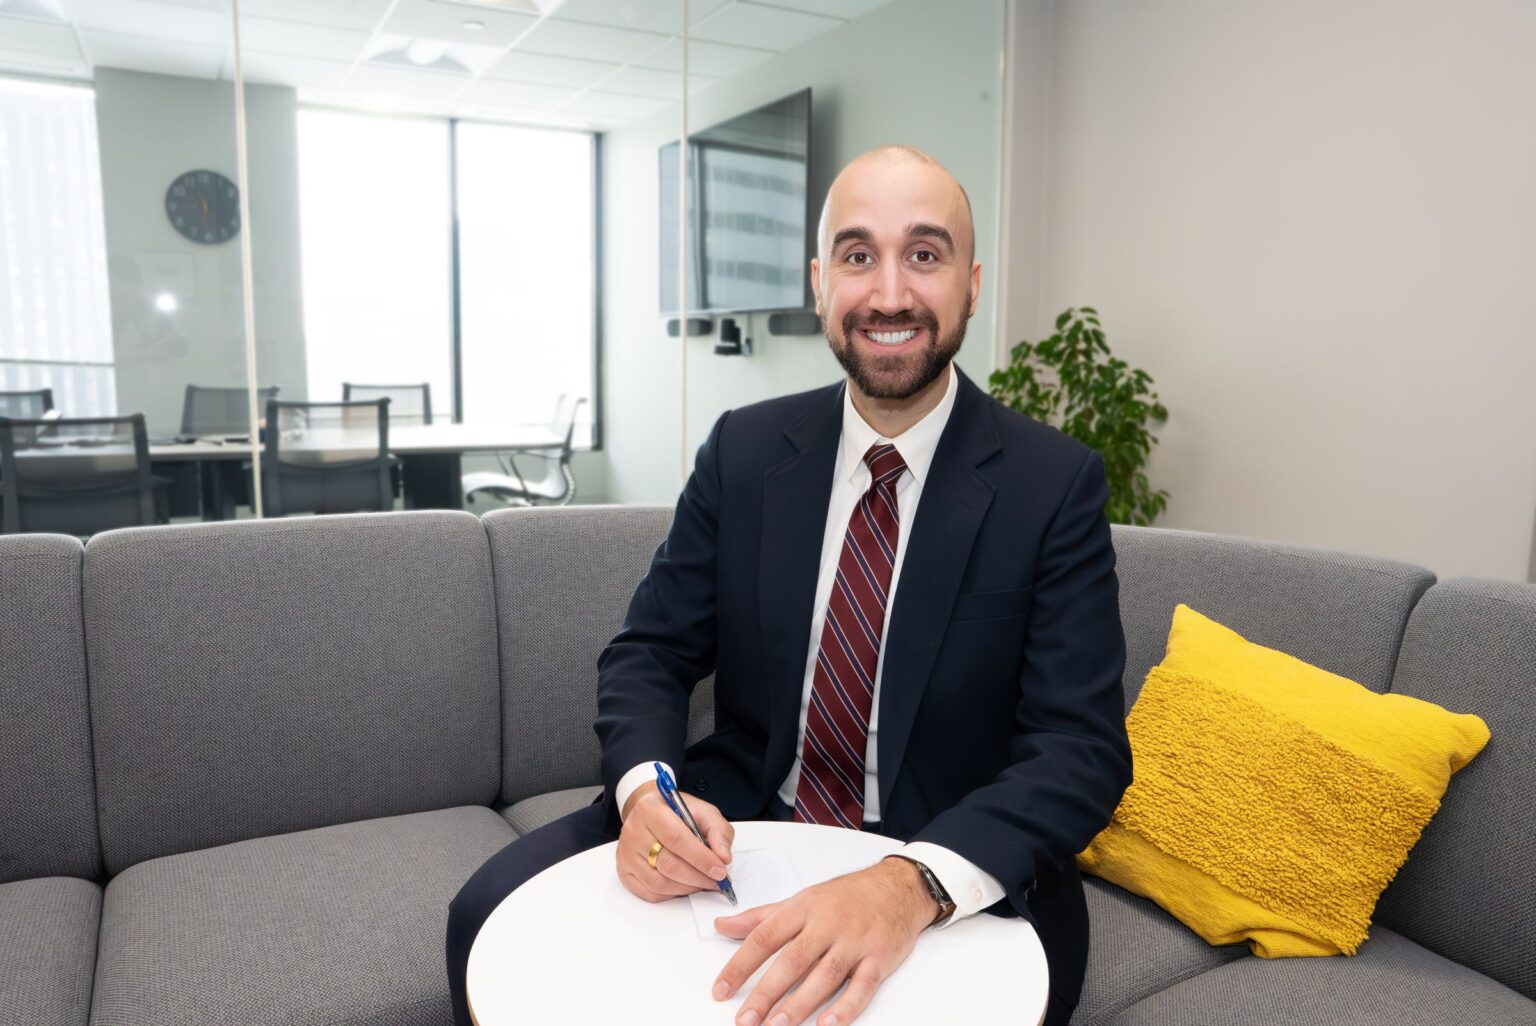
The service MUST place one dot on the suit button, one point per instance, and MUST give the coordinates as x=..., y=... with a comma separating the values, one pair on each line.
x=700, y=787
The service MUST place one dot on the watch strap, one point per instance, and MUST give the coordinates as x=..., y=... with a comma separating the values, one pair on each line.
x=936, y=890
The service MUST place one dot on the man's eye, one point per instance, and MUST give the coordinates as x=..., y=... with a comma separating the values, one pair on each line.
x=925, y=253
x=854, y=258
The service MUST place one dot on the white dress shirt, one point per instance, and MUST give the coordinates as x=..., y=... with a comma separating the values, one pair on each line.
x=968, y=885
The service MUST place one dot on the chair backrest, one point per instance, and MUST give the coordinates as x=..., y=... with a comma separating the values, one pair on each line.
x=220, y=410
x=408, y=404
x=1343, y=612
x=1468, y=889
x=563, y=424
x=75, y=475
x=262, y=677
x=47, y=790
x=564, y=580
x=326, y=457
x=26, y=405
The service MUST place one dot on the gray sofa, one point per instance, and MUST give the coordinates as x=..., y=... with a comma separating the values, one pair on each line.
x=244, y=767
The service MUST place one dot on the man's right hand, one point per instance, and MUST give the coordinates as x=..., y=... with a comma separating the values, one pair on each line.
x=684, y=865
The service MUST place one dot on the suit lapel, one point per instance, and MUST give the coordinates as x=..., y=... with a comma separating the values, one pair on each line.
x=954, y=501
x=795, y=497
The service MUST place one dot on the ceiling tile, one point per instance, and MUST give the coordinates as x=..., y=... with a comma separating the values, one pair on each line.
x=143, y=53
x=663, y=16
x=613, y=105
x=433, y=19
x=772, y=28
x=41, y=10
x=38, y=39
x=155, y=22
x=399, y=82
x=546, y=70
x=660, y=85
x=715, y=60
x=353, y=14
x=301, y=72
x=590, y=42
x=518, y=94
x=846, y=9
x=25, y=62
x=316, y=41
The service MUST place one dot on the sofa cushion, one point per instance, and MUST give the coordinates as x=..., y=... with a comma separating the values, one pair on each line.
x=261, y=677
x=529, y=814
x=1392, y=981
x=1136, y=949
x=47, y=796
x=1339, y=611
x=1468, y=891
x=564, y=579
x=1273, y=801
x=47, y=950
x=344, y=924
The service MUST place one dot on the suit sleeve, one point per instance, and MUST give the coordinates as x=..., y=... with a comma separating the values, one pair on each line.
x=667, y=643
x=1070, y=758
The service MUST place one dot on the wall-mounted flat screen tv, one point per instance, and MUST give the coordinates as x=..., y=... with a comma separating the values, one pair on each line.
x=749, y=219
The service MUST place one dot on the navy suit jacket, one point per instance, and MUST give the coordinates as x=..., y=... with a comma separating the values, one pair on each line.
x=1002, y=720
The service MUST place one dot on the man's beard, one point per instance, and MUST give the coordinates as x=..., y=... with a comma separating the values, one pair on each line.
x=896, y=376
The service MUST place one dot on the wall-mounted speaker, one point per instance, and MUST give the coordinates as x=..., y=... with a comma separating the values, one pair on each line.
x=800, y=322
x=695, y=326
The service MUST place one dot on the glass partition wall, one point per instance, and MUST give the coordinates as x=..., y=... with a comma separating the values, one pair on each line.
x=480, y=211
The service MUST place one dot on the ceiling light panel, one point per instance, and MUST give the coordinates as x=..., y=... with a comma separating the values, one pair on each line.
x=434, y=19
x=772, y=28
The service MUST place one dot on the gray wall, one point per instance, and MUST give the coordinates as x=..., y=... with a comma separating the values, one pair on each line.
x=151, y=129
x=942, y=96
x=1313, y=224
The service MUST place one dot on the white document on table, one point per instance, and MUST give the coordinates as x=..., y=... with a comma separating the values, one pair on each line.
x=760, y=877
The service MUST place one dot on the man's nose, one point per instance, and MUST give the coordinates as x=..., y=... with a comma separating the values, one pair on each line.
x=891, y=294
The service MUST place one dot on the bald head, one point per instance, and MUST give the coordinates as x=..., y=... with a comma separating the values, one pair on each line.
x=872, y=170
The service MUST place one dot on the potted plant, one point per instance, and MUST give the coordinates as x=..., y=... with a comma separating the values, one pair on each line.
x=1071, y=382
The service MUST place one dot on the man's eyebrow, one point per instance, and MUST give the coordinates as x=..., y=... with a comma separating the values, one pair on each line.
x=931, y=231
x=853, y=234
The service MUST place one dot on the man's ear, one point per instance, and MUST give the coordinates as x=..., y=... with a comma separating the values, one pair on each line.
x=816, y=282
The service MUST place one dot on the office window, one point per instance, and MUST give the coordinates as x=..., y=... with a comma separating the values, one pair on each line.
x=377, y=249
x=376, y=209
x=526, y=272
x=55, y=314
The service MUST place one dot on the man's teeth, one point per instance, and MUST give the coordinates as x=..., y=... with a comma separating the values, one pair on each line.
x=891, y=338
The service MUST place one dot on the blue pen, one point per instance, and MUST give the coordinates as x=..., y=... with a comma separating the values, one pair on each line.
x=677, y=804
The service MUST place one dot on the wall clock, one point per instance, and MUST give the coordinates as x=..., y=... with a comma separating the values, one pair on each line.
x=204, y=206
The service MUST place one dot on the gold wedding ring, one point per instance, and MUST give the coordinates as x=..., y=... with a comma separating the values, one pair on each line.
x=655, y=851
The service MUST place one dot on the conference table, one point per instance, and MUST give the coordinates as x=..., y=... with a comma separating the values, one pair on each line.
x=208, y=473
x=572, y=946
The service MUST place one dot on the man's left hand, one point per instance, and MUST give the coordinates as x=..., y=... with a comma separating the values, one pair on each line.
x=854, y=929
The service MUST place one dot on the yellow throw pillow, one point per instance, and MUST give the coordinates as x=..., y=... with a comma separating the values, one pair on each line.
x=1273, y=801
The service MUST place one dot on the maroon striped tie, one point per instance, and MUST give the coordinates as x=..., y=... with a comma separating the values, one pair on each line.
x=831, y=787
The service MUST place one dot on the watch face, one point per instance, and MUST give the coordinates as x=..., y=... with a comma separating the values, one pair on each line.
x=204, y=206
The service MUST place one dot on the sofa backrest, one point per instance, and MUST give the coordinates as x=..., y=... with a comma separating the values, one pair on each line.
x=256, y=678
x=1342, y=612
x=1468, y=889
x=564, y=579
x=47, y=791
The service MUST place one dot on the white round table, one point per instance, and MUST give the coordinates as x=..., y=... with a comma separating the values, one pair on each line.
x=573, y=946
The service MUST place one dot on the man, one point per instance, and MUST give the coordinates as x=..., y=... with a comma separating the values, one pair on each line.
x=906, y=593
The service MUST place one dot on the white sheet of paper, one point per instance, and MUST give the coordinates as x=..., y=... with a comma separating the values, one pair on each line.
x=760, y=877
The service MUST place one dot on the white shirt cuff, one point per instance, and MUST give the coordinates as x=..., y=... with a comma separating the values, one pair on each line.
x=644, y=773
x=969, y=887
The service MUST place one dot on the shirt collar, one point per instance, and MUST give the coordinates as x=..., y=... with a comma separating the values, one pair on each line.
x=916, y=444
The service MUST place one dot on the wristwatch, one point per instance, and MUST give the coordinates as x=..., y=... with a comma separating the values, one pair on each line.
x=936, y=890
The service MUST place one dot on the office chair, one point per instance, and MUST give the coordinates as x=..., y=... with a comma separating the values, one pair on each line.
x=77, y=475
x=408, y=404
x=557, y=486
x=219, y=410
x=26, y=405
x=326, y=458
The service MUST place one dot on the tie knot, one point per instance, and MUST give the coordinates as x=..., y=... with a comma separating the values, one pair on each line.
x=885, y=463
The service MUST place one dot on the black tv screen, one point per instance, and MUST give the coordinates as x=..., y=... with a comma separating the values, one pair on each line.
x=748, y=212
